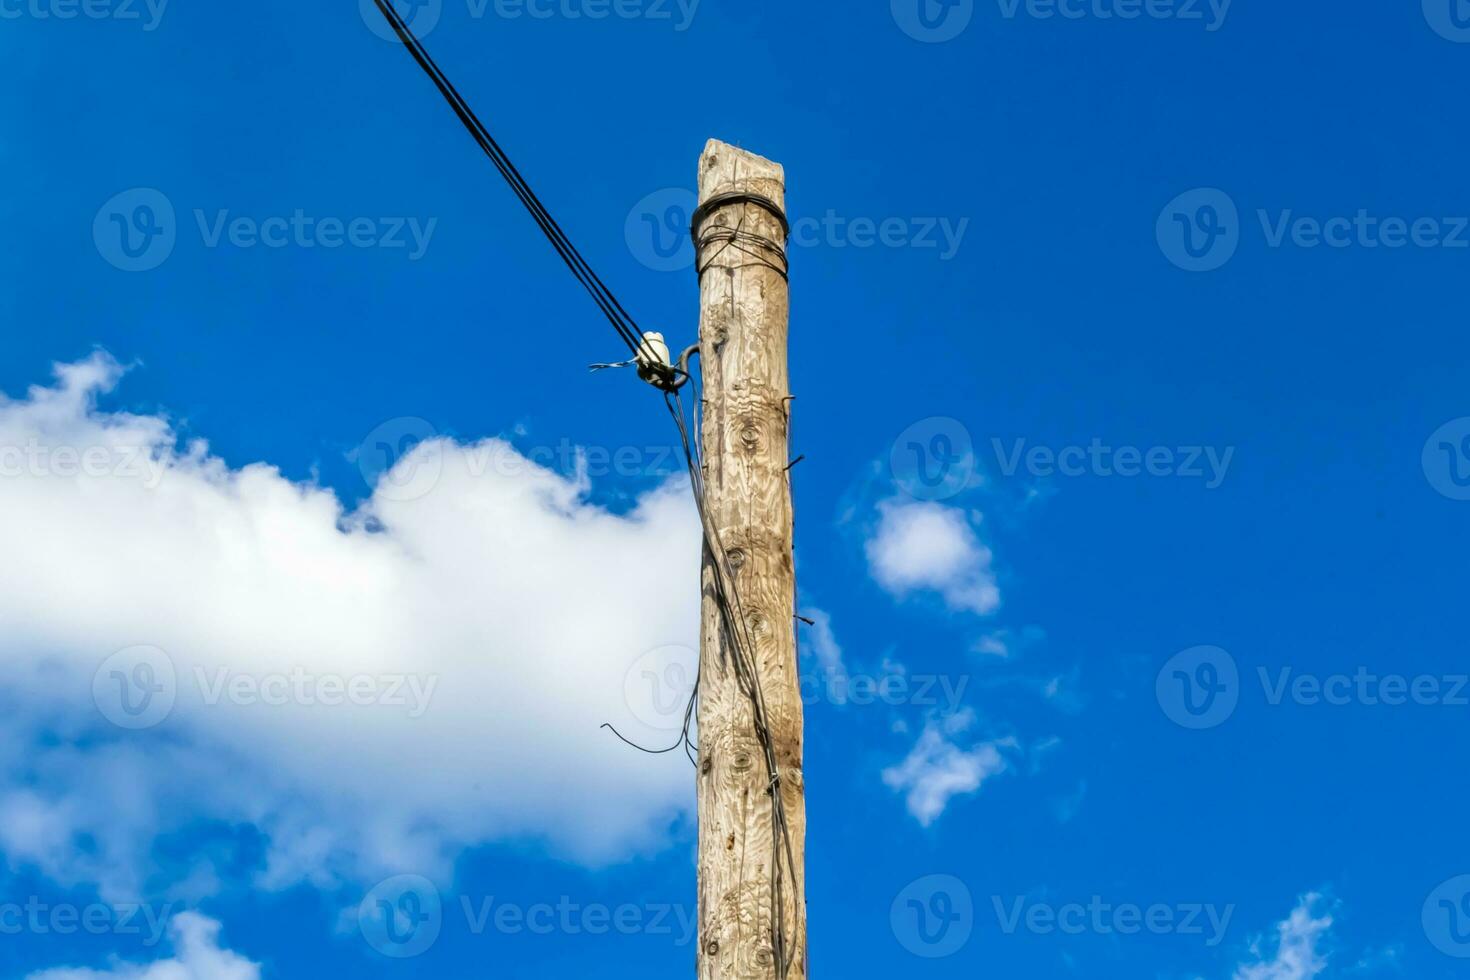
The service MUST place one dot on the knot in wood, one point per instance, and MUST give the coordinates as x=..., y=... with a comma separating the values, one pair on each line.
x=759, y=624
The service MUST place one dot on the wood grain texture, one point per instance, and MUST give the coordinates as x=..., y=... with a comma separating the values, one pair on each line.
x=744, y=312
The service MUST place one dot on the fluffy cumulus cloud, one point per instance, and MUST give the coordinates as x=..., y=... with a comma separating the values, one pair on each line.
x=922, y=546
x=367, y=692
x=1295, y=952
x=936, y=770
x=197, y=956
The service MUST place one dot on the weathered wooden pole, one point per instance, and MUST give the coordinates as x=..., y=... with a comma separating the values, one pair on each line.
x=740, y=232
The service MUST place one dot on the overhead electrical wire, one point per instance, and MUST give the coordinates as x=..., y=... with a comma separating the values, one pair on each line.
x=623, y=322
x=733, y=621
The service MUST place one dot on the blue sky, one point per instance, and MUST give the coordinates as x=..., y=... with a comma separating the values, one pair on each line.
x=1128, y=342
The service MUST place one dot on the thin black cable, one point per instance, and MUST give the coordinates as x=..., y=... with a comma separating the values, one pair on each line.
x=623, y=322
x=747, y=675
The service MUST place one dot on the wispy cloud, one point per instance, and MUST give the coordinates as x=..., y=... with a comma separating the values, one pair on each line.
x=1295, y=953
x=936, y=770
x=197, y=956
x=921, y=546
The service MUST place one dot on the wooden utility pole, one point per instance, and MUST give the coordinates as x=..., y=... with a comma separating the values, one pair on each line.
x=740, y=232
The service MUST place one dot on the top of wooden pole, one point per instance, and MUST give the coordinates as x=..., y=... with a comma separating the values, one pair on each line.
x=726, y=169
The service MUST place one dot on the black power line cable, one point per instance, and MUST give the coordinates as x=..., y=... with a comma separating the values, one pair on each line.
x=735, y=626
x=619, y=317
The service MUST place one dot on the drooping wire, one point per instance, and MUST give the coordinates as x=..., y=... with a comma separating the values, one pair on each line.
x=724, y=588
x=626, y=327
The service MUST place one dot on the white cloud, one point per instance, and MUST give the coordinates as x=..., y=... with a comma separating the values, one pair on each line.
x=996, y=644
x=921, y=546
x=527, y=603
x=1296, y=955
x=821, y=642
x=937, y=770
x=1004, y=644
x=197, y=956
